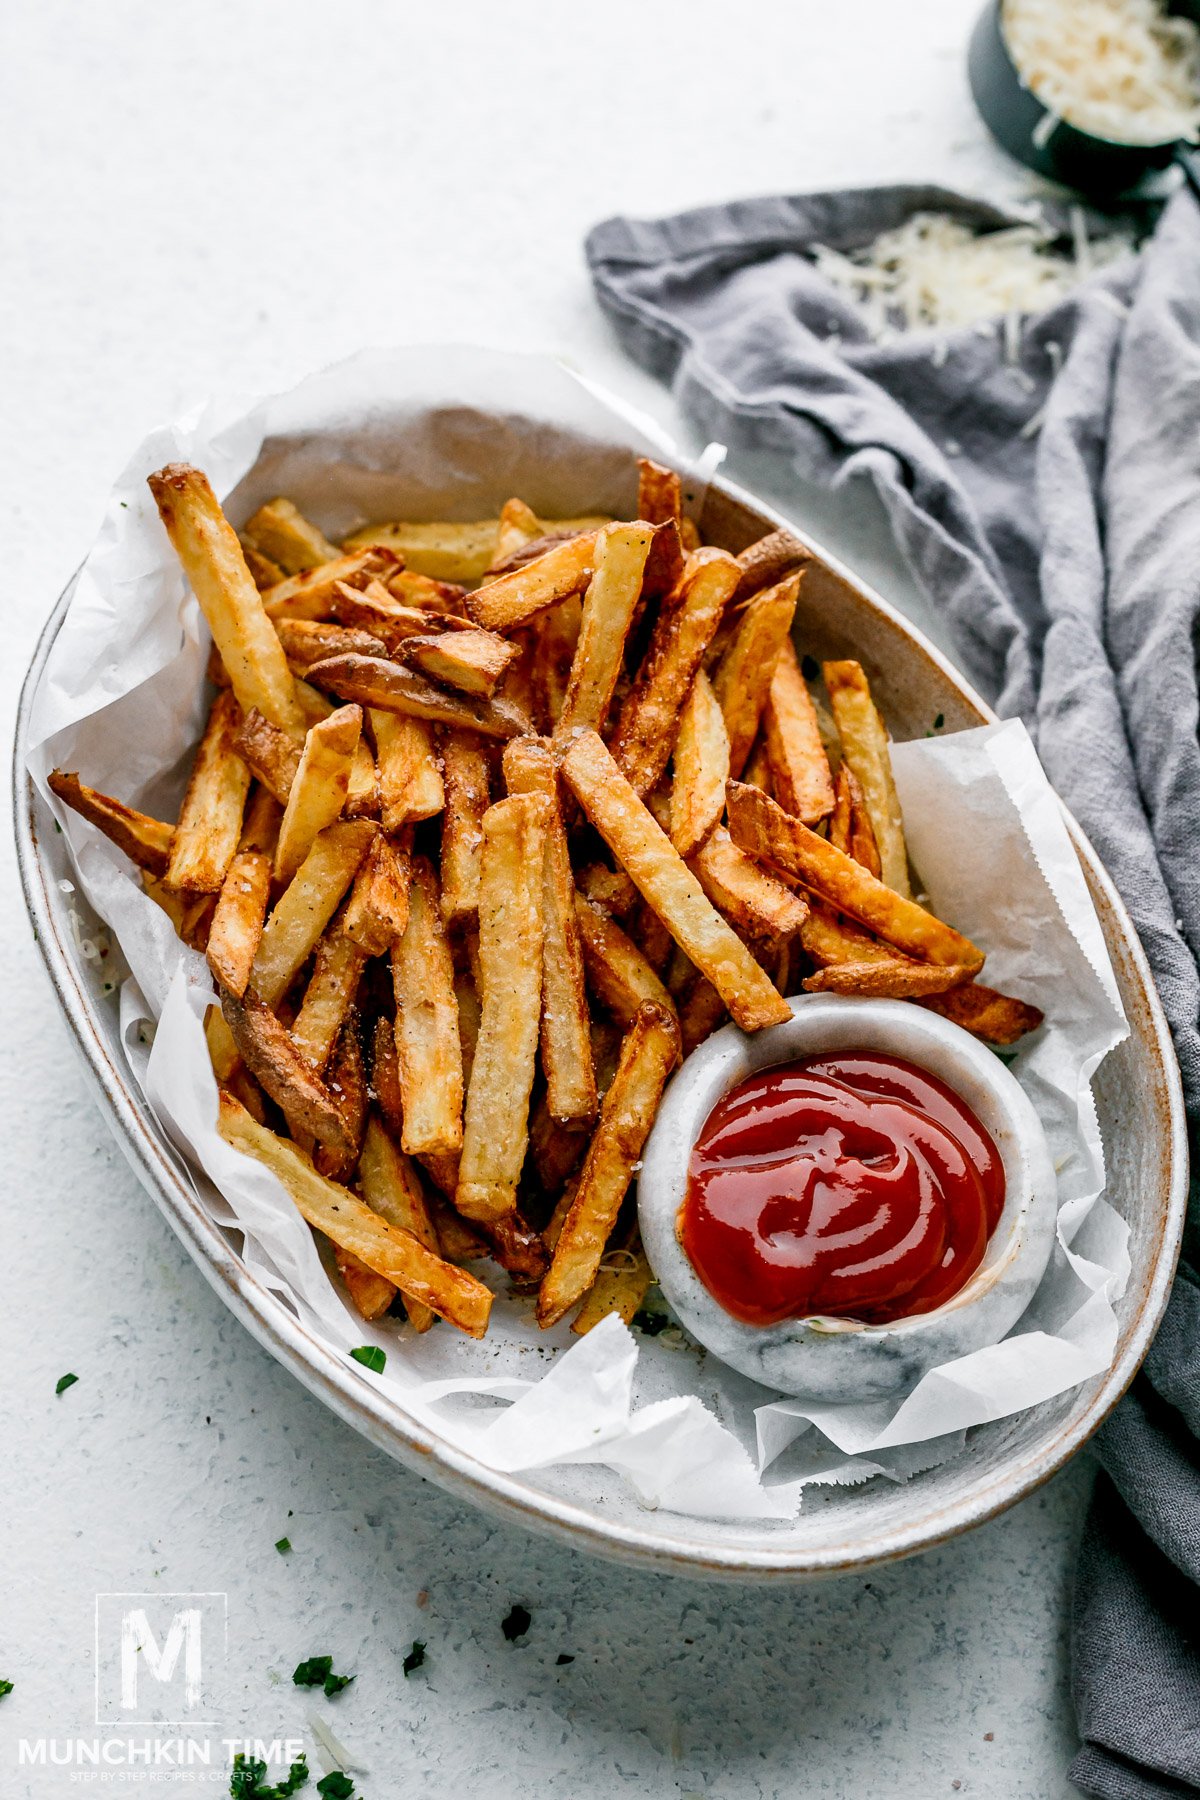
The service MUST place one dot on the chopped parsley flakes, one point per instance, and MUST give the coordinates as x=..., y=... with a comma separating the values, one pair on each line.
x=371, y=1357
x=335, y=1786
x=517, y=1623
x=317, y=1671
x=283, y=1545
x=6, y=1687
x=650, y=1324
x=64, y=1382
x=415, y=1658
x=250, y=1774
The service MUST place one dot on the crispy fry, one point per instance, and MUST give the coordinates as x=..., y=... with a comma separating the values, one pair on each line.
x=660, y=493
x=385, y=1075
x=309, y=641
x=700, y=1014
x=329, y=998
x=663, y=879
x=210, y=820
x=442, y=550
x=319, y=788
x=445, y=599
x=372, y=1294
x=272, y=755
x=512, y=599
x=396, y=1254
x=645, y=732
x=410, y=776
x=849, y=823
x=238, y=920
x=307, y=905
x=510, y=954
x=765, y=831
x=389, y=687
x=346, y=1079
x=391, y=1187
x=753, y=901
x=610, y=889
x=377, y=910
x=311, y=594
x=222, y=1051
x=664, y=566
x=657, y=944
x=744, y=674
x=280, y=530
x=469, y=1019
x=465, y=770
x=865, y=748
x=896, y=979
x=428, y=1047
x=647, y=1057
x=146, y=841
x=565, y=1042
x=827, y=939
x=701, y=768
x=266, y=1048
x=768, y=561
x=266, y=573
x=796, y=756
x=460, y=1242
x=362, y=794
x=620, y=1289
x=471, y=661
x=997, y=1018
x=376, y=609
x=517, y=526
x=518, y=1248
x=260, y=821
x=608, y=608
x=555, y=1149
x=208, y=548
x=618, y=974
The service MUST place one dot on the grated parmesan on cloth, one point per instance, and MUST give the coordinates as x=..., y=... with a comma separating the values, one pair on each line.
x=1120, y=69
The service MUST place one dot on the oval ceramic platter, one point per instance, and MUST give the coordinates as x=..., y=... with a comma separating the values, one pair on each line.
x=838, y=1529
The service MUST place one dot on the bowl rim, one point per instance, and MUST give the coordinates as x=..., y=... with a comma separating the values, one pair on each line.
x=651, y=1542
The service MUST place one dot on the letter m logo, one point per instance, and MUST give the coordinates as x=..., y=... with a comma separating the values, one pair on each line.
x=159, y=1658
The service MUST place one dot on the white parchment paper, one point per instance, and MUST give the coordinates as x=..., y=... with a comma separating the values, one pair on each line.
x=453, y=433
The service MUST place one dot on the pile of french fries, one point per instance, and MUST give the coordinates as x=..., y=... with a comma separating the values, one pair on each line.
x=490, y=824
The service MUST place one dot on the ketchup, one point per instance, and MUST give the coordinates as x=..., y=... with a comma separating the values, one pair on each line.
x=853, y=1184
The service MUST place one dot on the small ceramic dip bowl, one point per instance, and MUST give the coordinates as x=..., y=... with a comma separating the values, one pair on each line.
x=843, y=1359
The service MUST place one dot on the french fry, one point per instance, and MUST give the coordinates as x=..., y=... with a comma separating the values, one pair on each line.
x=210, y=820
x=238, y=920
x=997, y=1018
x=443, y=550
x=701, y=768
x=664, y=566
x=555, y=1149
x=608, y=608
x=753, y=901
x=144, y=840
x=266, y=1048
x=800, y=777
x=657, y=944
x=518, y=1248
x=648, y=1055
x=385, y=1075
x=319, y=788
x=269, y=753
x=266, y=573
x=372, y=1294
x=565, y=1042
x=663, y=879
x=511, y=889
x=700, y=1014
x=309, y=641
x=460, y=1242
x=469, y=1019
x=621, y=1289
x=558, y=631
x=389, y=687
x=392, y=1188
x=512, y=599
x=306, y=907
x=895, y=979
x=445, y=599
x=428, y=1047
x=466, y=775
x=280, y=530
x=377, y=911
x=743, y=676
x=609, y=889
x=617, y=972
x=329, y=997
x=471, y=661
x=222, y=1051
x=410, y=776
x=311, y=594
x=767, y=562
x=757, y=772
x=375, y=609
x=645, y=732
x=362, y=793
x=761, y=828
x=865, y=748
x=346, y=1080
x=517, y=526
x=849, y=823
x=208, y=548
x=396, y=1254
x=660, y=493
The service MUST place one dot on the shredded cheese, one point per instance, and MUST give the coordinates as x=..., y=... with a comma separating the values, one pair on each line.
x=1125, y=70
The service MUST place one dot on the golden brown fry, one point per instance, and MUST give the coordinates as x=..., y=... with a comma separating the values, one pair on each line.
x=146, y=841
x=385, y=1076
x=307, y=905
x=376, y=609
x=346, y=1080
x=375, y=682
x=260, y=821
x=391, y=1187
x=377, y=911
x=517, y=526
x=648, y=1055
x=895, y=979
x=645, y=732
x=664, y=566
x=428, y=1047
x=554, y=648
x=518, y=1248
x=618, y=974
x=469, y=1019
x=660, y=493
x=701, y=768
x=362, y=795
x=609, y=889
x=511, y=909
x=849, y=823
x=319, y=788
x=646, y=853
x=266, y=1048
x=512, y=599
x=565, y=1042
x=395, y=1254
x=410, y=776
x=470, y=661
x=465, y=769
x=743, y=676
x=272, y=755
x=446, y=600
x=460, y=1242
x=768, y=561
x=700, y=1014
x=329, y=998
x=238, y=920
x=764, y=830
x=371, y=1294
x=208, y=548
x=442, y=550
x=865, y=748
x=309, y=641
x=800, y=776
x=267, y=574
x=754, y=902
x=997, y=1018
x=312, y=594
x=620, y=1287
x=280, y=530
x=608, y=608
x=210, y=820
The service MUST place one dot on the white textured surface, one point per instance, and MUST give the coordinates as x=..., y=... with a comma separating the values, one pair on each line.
x=228, y=196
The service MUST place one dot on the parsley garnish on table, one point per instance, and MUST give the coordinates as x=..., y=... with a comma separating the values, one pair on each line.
x=250, y=1773
x=335, y=1786
x=371, y=1357
x=317, y=1671
x=415, y=1657
x=64, y=1382
x=6, y=1687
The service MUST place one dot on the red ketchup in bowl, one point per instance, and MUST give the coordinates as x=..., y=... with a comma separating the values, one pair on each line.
x=854, y=1185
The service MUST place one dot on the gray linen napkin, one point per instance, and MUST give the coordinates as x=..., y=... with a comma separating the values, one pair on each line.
x=1050, y=508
